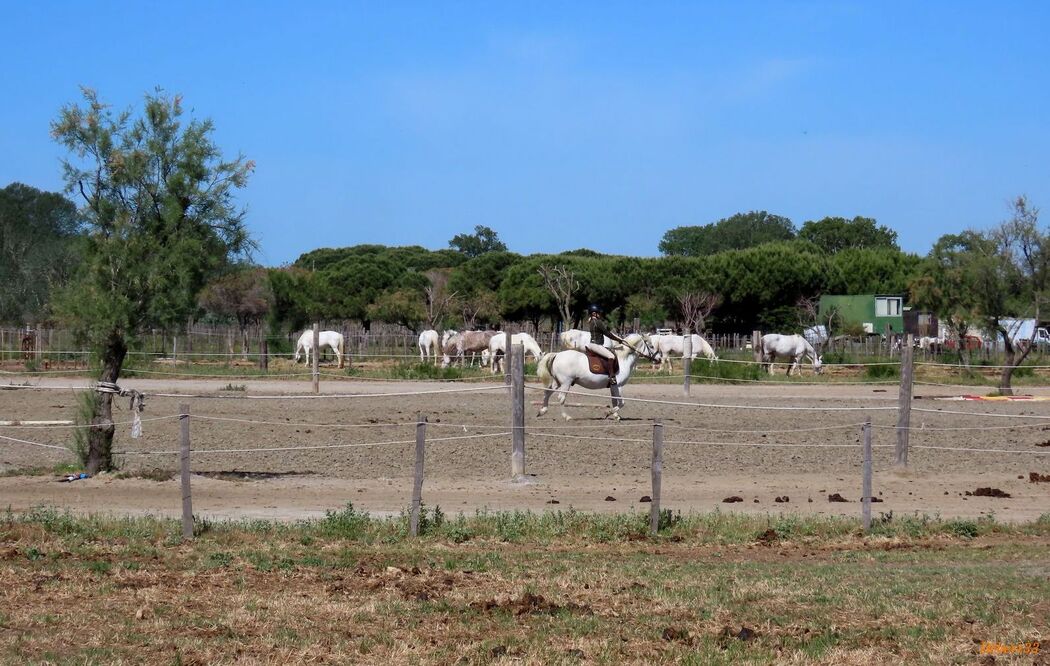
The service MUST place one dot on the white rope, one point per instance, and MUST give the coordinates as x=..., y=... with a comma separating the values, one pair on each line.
x=707, y=443
x=90, y=425
x=11, y=387
x=313, y=448
x=826, y=365
x=791, y=382
x=306, y=425
x=325, y=396
x=769, y=432
x=718, y=406
x=976, y=367
x=1026, y=387
x=982, y=414
x=963, y=428
x=26, y=441
x=957, y=448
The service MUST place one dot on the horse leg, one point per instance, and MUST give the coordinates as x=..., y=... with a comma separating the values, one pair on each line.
x=564, y=395
x=547, y=396
x=617, y=403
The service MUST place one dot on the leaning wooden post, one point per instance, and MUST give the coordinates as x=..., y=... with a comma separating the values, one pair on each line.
x=904, y=402
x=417, y=484
x=658, y=470
x=517, y=406
x=866, y=483
x=687, y=359
x=756, y=345
x=317, y=358
x=184, y=464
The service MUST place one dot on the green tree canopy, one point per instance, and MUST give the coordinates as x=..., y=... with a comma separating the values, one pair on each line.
x=243, y=294
x=158, y=202
x=39, y=249
x=478, y=243
x=738, y=232
x=835, y=234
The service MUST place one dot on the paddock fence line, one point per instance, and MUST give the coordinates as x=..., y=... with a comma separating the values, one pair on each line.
x=663, y=434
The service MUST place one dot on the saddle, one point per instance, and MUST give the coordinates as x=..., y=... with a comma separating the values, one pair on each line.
x=600, y=365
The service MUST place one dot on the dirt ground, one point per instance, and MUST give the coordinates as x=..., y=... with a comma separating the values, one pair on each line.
x=589, y=463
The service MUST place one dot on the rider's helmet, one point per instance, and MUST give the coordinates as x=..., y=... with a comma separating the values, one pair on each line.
x=594, y=309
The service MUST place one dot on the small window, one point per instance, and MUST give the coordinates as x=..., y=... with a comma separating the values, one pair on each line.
x=888, y=307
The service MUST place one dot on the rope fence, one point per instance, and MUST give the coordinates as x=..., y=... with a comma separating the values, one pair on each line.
x=517, y=430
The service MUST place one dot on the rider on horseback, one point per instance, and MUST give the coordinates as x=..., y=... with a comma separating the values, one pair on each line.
x=598, y=329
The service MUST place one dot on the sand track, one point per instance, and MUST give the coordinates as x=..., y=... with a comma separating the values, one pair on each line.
x=700, y=468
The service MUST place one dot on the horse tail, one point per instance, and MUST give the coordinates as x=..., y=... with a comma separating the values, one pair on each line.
x=545, y=368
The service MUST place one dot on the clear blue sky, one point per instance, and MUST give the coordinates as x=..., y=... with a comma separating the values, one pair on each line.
x=564, y=125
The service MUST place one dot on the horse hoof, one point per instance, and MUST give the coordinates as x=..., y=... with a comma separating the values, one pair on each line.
x=543, y=410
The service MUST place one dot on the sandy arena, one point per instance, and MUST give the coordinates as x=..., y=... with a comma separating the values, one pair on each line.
x=464, y=475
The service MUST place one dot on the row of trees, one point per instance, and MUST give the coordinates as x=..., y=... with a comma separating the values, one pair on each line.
x=744, y=230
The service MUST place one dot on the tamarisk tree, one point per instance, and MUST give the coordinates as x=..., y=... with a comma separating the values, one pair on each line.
x=158, y=202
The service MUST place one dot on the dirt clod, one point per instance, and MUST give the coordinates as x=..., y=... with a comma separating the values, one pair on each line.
x=725, y=636
x=645, y=498
x=610, y=498
x=782, y=499
x=987, y=492
x=768, y=537
x=528, y=604
x=733, y=498
x=1036, y=477
x=835, y=497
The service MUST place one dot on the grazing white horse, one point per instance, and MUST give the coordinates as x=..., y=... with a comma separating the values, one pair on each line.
x=498, y=347
x=675, y=344
x=429, y=345
x=467, y=341
x=574, y=338
x=329, y=339
x=794, y=346
x=561, y=370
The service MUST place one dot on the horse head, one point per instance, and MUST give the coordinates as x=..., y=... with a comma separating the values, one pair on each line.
x=647, y=350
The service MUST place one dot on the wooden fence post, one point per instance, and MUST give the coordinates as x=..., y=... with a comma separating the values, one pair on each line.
x=687, y=359
x=316, y=367
x=184, y=464
x=517, y=406
x=417, y=484
x=508, y=378
x=904, y=402
x=657, y=470
x=866, y=483
x=756, y=345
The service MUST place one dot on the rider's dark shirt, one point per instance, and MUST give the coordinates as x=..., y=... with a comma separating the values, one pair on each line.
x=598, y=329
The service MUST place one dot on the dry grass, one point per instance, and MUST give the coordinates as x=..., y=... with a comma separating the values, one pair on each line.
x=90, y=590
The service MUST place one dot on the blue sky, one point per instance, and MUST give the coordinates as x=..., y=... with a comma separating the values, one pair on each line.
x=564, y=125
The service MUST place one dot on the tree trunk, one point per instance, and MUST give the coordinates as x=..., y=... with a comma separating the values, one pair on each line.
x=100, y=436
x=1012, y=361
x=244, y=341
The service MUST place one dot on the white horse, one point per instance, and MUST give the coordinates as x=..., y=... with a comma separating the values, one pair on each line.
x=561, y=370
x=794, y=346
x=498, y=348
x=574, y=338
x=330, y=339
x=675, y=344
x=429, y=346
x=467, y=341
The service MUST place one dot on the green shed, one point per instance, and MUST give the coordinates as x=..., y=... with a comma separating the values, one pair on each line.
x=872, y=311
